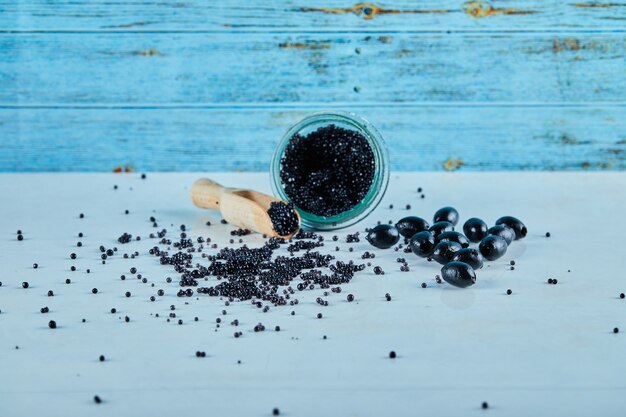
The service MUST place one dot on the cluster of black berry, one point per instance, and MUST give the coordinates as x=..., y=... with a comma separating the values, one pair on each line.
x=441, y=243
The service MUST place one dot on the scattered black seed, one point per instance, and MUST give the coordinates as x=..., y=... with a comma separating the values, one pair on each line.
x=67, y=281
x=275, y=412
x=388, y=297
x=35, y=266
x=101, y=358
x=515, y=224
x=622, y=295
x=319, y=315
x=484, y=405
x=392, y=354
x=52, y=324
x=548, y=234
x=509, y=292
x=44, y=310
x=615, y=330
x=424, y=285
x=50, y=293
x=143, y=176
x=97, y=399
x=350, y=298
x=458, y=274
x=94, y=291
x=25, y=284
x=336, y=179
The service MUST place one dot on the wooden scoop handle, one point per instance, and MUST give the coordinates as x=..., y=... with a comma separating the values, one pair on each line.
x=206, y=193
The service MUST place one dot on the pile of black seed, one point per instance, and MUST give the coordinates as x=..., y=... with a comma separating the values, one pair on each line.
x=256, y=273
x=328, y=171
x=284, y=218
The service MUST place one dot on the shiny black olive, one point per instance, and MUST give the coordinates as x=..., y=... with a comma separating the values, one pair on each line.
x=503, y=231
x=444, y=251
x=492, y=247
x=470, y=256
x=446, y=214
x=410, y=225
x=515, y=224
x=458, y=274
x=422, y=244
x=454, y=237
x=438, y=228
x=383, y=236
x=475, y=229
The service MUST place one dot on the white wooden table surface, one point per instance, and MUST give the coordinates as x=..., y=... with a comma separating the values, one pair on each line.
x=544, y=350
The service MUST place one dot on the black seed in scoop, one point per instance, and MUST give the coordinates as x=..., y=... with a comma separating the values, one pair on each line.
x=328, y=171
x=283, y=217
x=470, y=256
x=383, y=236
x=453, y=237
x=492, y=247
x=446, y=214
x=475, y=229
x=410, y=225
x=422, y=244
x=515, y=224
x=439, y=227
x=458, y=274
x=444, y=251
x=503, y=231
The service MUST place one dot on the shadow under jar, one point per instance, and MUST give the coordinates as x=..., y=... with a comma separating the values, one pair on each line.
x=333, y=166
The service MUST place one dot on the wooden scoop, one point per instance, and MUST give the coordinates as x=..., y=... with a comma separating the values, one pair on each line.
x=243, y=208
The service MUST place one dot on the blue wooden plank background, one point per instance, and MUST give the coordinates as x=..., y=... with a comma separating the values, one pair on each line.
x=195, y=85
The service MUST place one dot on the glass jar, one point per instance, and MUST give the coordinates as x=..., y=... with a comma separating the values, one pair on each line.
x=380, y=180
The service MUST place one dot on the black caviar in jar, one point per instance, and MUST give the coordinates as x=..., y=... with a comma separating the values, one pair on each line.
x=334, y=168
x=328, y=171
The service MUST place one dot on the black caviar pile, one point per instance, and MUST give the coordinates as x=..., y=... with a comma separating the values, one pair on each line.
x=255, y=273
x=283, y=217
x=441, y=243
x=329, y=171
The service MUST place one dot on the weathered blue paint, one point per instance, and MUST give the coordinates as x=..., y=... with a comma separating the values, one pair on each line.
x=165, y=69
x=89, y=85
x=242, y=139
x=306, y=15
